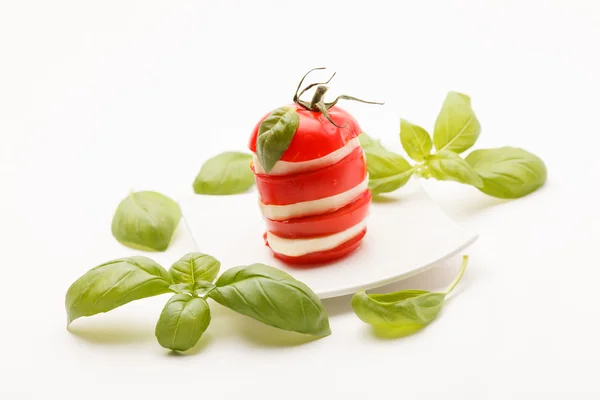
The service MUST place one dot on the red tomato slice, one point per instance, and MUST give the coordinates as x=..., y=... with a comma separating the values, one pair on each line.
x=316, y=136
x=324, y=224
x=321, y=257
x=313, y=185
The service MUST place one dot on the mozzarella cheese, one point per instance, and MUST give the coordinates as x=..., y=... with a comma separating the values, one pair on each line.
x=299, y=247
x=320, y=206
x=287, y=167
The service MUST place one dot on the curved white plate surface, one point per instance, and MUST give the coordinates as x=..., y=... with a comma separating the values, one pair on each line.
x=405, y=235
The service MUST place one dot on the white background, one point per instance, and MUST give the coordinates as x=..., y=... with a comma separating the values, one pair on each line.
x=100, y=97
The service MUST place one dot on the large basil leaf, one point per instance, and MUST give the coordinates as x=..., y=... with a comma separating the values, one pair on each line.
x=146, y=221
x=456, y=127
x=182, y=322
x=388, y=171
x=415, y=307
x=194, y=267
x=113, y=284
x=275, y=134
x=508, y=172
x=226, y=173
x=272, y=297
x=415, y=140
x=448, y=166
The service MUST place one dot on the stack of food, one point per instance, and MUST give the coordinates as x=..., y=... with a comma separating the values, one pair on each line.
x=313, y=192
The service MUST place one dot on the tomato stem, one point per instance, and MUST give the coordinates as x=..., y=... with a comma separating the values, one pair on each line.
x=318, y=103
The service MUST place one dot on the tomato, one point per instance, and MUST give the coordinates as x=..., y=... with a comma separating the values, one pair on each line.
x=306, y=131
x=313, y=185
x=316, y=136
x=323, y=224
x=321, y=257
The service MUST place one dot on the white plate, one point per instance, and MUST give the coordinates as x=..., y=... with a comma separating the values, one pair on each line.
x=405, y=235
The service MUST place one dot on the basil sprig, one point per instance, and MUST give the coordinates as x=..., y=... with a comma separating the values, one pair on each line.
x=406, y=309
x=259, y=291
x=505, y=172
x=226, y=173
x=146, y=221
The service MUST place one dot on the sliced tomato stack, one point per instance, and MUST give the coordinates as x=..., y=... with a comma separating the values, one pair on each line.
x=315, y=199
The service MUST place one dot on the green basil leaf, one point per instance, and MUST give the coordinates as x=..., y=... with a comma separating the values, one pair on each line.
x=272, y=297
x=182, y=288
x=390, y=183
x=226, y=173
x=448, y=166
x=456, y=127
x=403, y=309
x=414, y=308
x=415, y=140
x=201, y=288
x=275, y=134
x=113, y=284
x=367, y=141
x=182, y=322
x=146, y=221
x=508, y=172
x=194, y=267
x=388, y=171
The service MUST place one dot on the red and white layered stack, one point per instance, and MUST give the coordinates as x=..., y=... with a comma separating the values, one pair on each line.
x=315, y=199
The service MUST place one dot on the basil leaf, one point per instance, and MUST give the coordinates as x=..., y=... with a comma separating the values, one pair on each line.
x=272, y=297
x=182, y=288
x=508, y=172
x=414, y=309
x=182, y=322
x=114, y=284
x=202, y=288
x=194, y=267
x=403, y=309
x=226, y=173
x=390, y=183
x=367, y=141
x=448, y=166
x=388, y=171
x=456, y=127
x=146, y=221
x=275, y=134
x=415, y=140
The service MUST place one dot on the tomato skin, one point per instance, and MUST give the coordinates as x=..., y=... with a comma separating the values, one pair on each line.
x=322, y=257
x=323, y=224
x=313, y=185
x=316, y=136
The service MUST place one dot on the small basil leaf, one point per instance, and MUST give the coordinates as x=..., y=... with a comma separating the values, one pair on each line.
x=201, y=288
x=182, y=322
x=146, y=221
x=367, y=141
x=403, y=309
x=194, y=267
x=456, y=127
x=508, y=172
x=415, y=140
x=272, y=297
x=446, y=165
x=414, y=308
x=388, y=171
x=275, y=134
x=390, y=183
x=114, y=284
x=226, y=173
x=182, y=288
